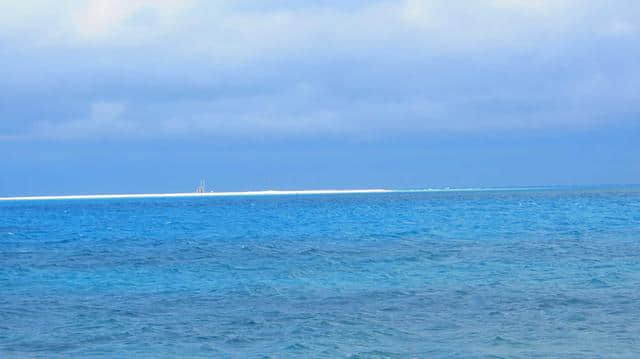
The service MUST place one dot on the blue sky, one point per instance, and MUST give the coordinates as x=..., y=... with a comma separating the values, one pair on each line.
x=134, y=96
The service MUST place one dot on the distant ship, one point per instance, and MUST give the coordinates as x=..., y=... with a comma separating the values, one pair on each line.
x=201, y=187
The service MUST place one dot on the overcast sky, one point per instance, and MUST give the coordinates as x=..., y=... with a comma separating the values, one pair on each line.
x=152, y=95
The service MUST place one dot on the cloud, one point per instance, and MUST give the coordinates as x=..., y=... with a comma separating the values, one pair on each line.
x=227, y=28
x=104, y=120
x=620, y=28
x=125, y=19
x=113, y=68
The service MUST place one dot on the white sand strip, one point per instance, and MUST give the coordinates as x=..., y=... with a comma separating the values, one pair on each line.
x=207, y=194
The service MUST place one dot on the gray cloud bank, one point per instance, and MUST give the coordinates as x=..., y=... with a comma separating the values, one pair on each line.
x=236, y=69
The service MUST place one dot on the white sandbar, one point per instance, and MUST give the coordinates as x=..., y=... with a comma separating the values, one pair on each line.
x=206, y=194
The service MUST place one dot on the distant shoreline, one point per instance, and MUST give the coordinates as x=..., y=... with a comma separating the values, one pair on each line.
x=194, y=194
x=295, y=192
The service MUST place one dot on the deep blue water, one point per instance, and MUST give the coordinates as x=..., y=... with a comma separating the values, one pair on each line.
x=527, y=273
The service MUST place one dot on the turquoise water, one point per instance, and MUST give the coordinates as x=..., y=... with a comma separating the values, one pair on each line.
x=515, y=273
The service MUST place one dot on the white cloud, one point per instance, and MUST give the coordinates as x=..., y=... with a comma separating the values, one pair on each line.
x=116, y=20
x=100, y=17
x=620, y=28
x=226, y=29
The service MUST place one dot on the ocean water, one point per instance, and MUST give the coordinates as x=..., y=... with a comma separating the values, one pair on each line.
x=529, y=273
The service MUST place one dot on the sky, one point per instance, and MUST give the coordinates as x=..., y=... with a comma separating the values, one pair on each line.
x=119, y=96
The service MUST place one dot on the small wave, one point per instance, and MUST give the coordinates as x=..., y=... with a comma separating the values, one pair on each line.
x=297, y=346
x=239, y=340
x=598, y=283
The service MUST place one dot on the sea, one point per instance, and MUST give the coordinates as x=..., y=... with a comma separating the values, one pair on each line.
x=548, y=272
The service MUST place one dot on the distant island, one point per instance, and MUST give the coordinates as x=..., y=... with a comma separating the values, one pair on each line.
x=197, y=194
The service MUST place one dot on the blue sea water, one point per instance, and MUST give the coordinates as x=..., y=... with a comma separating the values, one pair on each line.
x=530, y=273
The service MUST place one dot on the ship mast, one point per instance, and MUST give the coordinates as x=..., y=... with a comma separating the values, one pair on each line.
x=201, y=187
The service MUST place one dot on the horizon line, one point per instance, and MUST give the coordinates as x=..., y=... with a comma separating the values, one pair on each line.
x=287, y=192
x=196, y=194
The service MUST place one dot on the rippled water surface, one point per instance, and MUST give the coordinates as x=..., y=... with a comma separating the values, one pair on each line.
x=527, y=273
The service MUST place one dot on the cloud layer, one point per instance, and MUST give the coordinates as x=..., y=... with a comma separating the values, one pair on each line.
x=241, y=69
